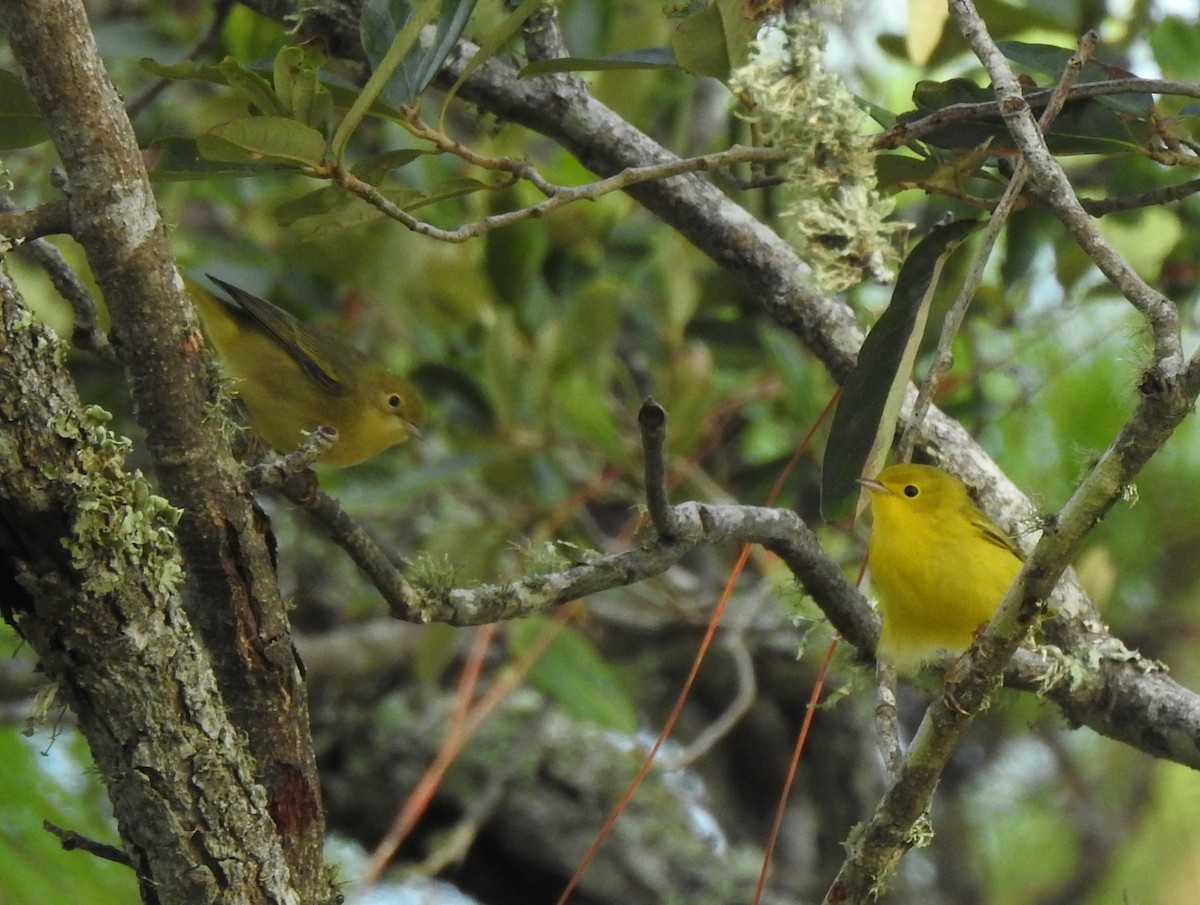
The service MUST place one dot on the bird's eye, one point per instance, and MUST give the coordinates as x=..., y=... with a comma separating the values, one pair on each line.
x=394, y=400
x=911, y=490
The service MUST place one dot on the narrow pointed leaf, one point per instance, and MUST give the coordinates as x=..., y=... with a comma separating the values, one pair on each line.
x=489, y=46
x=865, y=421
x=403, y=42
x=382, y=21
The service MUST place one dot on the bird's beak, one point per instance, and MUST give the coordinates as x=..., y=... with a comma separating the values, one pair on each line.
x=872, y=485
x=413, y=430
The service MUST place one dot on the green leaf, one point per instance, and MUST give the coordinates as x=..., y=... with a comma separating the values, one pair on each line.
x=373, y=169
x=178, y=159
x=253, y=87
x=488, y=47
x=1084, y=126
x=264, y=139
x=1050, y=61
x=21, y=123
x=646, y=58
x=405, y=39
x=892, y=169
x=880, y=115
x=571, y=672
x=343, y=94
x=1176, y=45
x=865, y=421
x=715, y=39
x=382, y=21
x=700, y=44
x=582, y=405
x=64, y=789
x=320, y=203
x=184, y=71
x=298, y=86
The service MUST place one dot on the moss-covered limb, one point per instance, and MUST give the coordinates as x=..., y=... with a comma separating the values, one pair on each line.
x=233, y=598
x=89, y=553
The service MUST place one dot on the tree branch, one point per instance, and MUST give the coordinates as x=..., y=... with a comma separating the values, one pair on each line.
x=1161, y=316
x=233, y=599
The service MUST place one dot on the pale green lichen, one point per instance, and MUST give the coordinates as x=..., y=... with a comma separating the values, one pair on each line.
x=436, y=574
x=832, y=208
x=920, y=834
x=1075, y=669
x=120, y=526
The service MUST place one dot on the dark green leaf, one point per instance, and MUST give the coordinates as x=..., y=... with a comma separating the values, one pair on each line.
x=253, y=87
x=373, y=169
x=177, y=159
x=865, y=421
x=1050, y=61
x=893, y=169
x=490, y=45
x=1084, y=126
x=382, y=21
x=331, y=209
x=21, y=124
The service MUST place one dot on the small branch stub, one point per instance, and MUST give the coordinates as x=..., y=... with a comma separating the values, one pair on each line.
x=652, y=419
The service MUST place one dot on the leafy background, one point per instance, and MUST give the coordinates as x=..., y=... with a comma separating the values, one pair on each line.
x=534, y=347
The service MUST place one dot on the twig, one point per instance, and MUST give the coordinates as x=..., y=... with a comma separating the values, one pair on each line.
x=360, y=546
x=652, y=420
x=279, y=470
x=943, y=357
x=50, y=219
x=1098, y=207
x=86, y=332
x=887, y=722
x=1161, y=316
x=72, y=840
x=557, y=196
x=522, y=169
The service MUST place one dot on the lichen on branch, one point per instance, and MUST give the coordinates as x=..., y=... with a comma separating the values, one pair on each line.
x=832, y=209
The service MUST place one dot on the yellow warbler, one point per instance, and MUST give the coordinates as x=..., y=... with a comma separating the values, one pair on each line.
x=293, y=379
x=938, y=563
